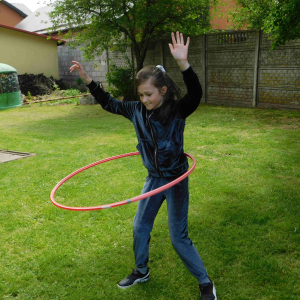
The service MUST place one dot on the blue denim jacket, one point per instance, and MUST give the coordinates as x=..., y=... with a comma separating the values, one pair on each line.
x=160, y=144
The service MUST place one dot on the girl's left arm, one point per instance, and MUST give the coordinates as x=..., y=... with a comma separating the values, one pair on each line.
x=189, y=103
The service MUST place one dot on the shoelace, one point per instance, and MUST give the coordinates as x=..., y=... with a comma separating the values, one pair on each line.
x=133, y=274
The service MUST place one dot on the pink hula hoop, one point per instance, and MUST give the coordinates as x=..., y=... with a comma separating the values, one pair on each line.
x=137, y=198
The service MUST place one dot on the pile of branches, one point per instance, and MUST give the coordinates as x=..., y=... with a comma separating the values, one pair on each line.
x=38, y=84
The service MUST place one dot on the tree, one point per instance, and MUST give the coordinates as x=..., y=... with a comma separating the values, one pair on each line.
x=115, y=24
x=279, y=18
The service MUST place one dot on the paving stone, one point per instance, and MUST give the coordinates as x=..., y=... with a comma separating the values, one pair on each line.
x=7, y=155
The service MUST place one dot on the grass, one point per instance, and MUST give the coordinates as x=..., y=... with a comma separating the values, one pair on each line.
x=56, y=94
x=244, y=206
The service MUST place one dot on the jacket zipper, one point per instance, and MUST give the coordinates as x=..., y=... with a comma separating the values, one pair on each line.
x=155, y=147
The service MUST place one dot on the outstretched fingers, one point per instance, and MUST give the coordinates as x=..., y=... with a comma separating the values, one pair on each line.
x=179, y=51
x=77, y=66
x=172, y=46
x=173, y=38
x=187, y=42
x=179, y=39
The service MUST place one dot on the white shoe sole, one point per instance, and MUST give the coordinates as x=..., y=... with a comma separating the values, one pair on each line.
x=215, y=292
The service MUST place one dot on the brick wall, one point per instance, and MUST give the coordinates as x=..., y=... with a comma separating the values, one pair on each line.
x=96, y=69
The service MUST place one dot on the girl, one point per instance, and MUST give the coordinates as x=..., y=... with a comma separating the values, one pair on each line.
x=159, y=120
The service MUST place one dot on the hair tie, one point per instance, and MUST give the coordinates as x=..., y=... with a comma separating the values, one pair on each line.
x=161, y=67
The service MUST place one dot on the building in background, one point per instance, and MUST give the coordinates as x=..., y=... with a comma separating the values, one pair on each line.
x=12, y=14
x=37, y=22
x=220, y=15
x=29, y=52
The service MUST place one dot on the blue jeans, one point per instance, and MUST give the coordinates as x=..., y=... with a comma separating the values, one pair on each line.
x=177, y=204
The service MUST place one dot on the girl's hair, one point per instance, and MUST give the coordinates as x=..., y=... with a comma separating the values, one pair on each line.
x=159, y=79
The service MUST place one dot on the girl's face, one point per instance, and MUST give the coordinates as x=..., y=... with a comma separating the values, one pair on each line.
x=150, y=96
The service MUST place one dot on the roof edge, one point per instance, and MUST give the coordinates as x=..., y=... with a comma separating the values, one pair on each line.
x=32, y=33
x=14, y=8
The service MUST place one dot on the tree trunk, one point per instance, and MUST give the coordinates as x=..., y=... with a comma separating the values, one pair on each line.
x=140, y=51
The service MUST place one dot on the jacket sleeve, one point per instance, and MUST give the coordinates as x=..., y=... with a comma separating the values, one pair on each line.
x=189, y=103
x=110, y=104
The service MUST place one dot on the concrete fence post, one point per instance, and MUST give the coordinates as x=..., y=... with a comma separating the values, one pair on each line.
x=163, y=58
x=204, y=73
x=256, y=68
x=107, y=59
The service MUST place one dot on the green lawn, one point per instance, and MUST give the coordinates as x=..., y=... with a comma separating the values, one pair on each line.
x=244, y=214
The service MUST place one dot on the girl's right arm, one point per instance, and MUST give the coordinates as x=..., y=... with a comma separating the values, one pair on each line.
x=107, y=102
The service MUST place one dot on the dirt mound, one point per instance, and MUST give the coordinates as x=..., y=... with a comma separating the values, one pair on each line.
x=38, y=84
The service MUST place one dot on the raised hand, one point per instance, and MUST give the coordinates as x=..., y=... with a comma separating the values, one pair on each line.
x=81, y=72
x=180, y=51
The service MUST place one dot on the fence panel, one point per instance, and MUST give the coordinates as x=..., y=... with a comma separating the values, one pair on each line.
x=154, y=54
x=279, y=75
x=230, y=61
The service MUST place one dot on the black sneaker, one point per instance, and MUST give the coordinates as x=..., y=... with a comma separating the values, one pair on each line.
x=208, y=291
x=134, y=278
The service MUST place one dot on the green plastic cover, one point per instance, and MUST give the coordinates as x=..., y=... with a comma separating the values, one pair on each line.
x=7, y=69
x=10, y=95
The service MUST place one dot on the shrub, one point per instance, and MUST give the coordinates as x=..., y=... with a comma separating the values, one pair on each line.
x=120, y=80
